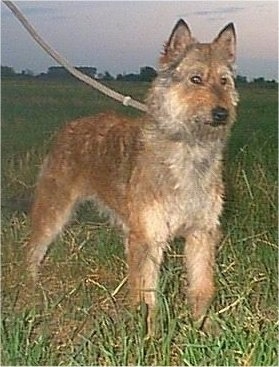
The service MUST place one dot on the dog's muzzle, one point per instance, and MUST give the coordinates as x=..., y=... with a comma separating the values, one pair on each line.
x=219, y=116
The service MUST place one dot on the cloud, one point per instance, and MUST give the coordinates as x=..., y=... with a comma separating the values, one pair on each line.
x=229, y=10
x=218, y=11
x=43, y=11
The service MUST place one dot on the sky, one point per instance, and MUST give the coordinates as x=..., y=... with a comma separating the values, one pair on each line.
x=122, y=36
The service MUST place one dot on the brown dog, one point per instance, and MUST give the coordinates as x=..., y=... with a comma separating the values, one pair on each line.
x=159, y=176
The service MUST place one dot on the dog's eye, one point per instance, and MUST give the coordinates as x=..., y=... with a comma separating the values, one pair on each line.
x=196, y=79
x=224, y=80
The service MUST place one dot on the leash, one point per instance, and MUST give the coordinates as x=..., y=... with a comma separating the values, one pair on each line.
x=125, y=100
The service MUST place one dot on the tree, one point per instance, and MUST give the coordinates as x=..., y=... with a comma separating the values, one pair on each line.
x=27, y=73
x=88, y=70
x=107, y=76
x=7, y=71
x=147, y=74
x=131, y=77
x=119, y=77
x=241, y=79
x=57, y=72
x=259, y=80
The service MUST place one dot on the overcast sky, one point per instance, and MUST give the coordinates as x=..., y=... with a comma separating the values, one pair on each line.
x=122, y=36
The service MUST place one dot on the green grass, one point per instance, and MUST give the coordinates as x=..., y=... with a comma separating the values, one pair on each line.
x=73, y=317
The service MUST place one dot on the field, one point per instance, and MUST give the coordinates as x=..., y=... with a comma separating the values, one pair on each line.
x=79, y=314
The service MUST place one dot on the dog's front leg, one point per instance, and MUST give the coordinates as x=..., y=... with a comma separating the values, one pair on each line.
x=144, y=260
x=199, y=261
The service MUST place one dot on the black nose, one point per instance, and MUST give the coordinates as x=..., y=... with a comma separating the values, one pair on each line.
x=219, y=115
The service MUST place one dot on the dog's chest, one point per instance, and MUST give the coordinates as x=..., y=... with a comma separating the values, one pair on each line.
x=188, y=191
x=190, y=188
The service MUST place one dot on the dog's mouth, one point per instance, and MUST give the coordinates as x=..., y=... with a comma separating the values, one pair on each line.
x=209, y=122
x=218, y=117
x=213, y=123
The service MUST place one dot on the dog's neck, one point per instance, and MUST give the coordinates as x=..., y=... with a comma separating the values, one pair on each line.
x=167, y=149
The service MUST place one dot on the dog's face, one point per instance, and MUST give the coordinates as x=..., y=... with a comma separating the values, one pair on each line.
x=194, y=94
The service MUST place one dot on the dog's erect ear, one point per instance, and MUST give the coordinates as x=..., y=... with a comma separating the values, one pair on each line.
x=179, y=39
x=226, y=42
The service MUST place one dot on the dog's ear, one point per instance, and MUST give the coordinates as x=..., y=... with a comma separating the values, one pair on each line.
x=180, y=38
x=226, y=42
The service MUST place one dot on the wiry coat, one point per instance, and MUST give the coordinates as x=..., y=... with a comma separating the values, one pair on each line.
x=159, y=176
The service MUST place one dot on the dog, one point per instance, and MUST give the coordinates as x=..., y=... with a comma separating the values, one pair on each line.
x=158, y=176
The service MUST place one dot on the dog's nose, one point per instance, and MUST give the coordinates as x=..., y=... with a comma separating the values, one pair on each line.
x=219, y=114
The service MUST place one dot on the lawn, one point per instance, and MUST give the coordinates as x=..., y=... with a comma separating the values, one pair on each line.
x=79, y=313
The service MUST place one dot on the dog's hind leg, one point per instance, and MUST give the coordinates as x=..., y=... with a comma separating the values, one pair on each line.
x=53, y=203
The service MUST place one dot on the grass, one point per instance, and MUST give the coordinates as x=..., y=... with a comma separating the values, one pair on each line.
x=74, y=317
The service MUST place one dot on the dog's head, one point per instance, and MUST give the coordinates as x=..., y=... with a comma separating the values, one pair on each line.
x=194, y=94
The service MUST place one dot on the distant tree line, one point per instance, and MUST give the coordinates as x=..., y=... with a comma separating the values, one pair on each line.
x=146, y=74
x=242, y=80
